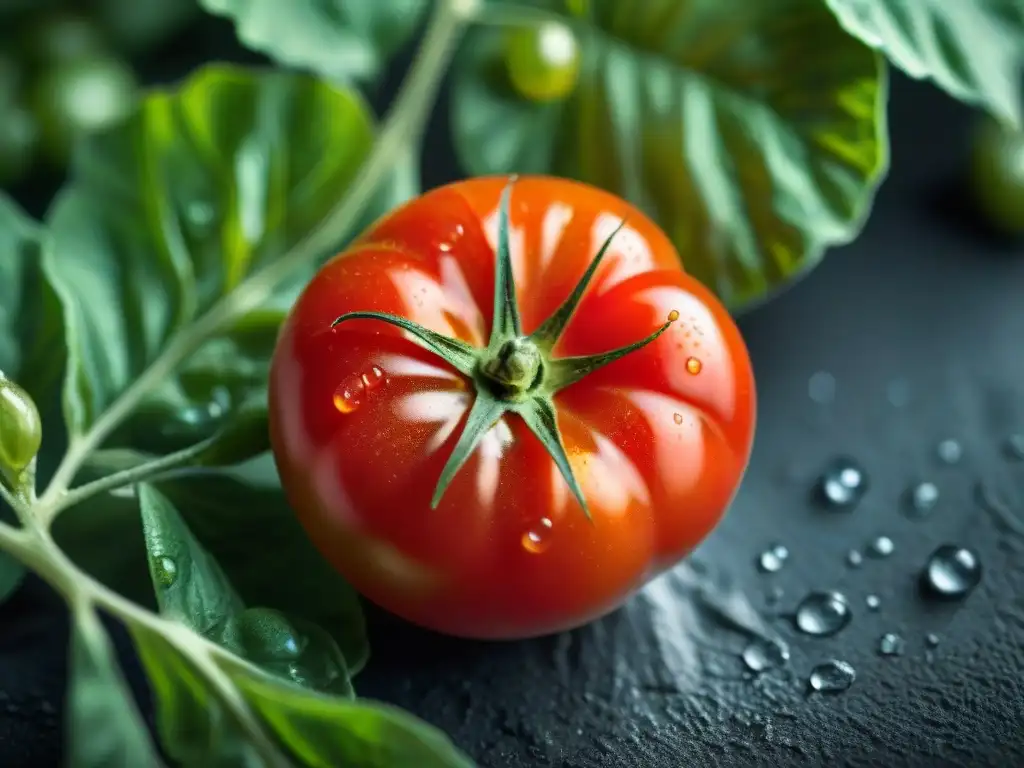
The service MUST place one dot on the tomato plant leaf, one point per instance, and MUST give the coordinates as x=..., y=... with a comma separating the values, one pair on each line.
x=293, y=649
x=190, y=586
x=168, y=213
x=973, y=49
x=754, y=133
x=193, y=725
x=105, y=726
x=241, y=523
x=31, y=337
x=324, y=732
x=338, y=40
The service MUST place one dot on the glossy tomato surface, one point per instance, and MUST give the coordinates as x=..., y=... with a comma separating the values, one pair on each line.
x=363, y=420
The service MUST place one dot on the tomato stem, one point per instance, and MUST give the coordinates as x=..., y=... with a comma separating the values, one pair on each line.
x=516, y=369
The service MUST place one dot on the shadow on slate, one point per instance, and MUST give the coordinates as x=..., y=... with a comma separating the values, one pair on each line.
x=920, y=323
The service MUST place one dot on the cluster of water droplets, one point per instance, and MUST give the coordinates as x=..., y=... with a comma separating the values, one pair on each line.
x=950, y=572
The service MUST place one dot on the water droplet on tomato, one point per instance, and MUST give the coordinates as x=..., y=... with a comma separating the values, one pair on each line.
x=693, y=365
x=165, y=570
x=538, y=538
x=673, y=316
x=677, y=418
x=349, y=395
x=373, y=378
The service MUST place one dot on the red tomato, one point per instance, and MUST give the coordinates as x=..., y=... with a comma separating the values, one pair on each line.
x=363, y=420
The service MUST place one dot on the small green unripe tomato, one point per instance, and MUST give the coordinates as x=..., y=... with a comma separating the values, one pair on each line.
x=997, y=175
x=21, y=429
x=543, y=61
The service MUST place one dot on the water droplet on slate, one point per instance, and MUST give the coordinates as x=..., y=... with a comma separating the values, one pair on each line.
x=922, y=498
x=891, y=644
x=873, y=602
x=952, y=571
x=881, y=546
x=538, y=538
x=843, y=483
x=677, y=418
x=693, y=365
x=774, y=595
x=773, y=558
x=898, y=393
x=762, y=654
x=832, y=677
x=931, y=640
x=949, y=451
x=1013, y=447
x=822, y=613
x=854, y=558
x=165, y=570
x=821, y=387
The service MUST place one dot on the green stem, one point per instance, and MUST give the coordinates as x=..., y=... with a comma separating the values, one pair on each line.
x=410, y=110
x=122, y=478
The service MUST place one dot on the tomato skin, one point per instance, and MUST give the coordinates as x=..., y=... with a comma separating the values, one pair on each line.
x=363, y=420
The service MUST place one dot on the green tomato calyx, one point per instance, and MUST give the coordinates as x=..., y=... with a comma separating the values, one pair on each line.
x=515, y=373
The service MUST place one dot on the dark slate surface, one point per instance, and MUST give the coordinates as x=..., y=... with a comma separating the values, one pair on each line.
x=921, y=323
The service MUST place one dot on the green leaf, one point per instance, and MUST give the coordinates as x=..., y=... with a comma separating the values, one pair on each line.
x=250, y=531
x=105, y=728
x=326, y=732
x=194, y=728
x=168, y=213
x=338, y=40
x=11, y=575
x=31, y=339
x=972, y=49
x=190, y=586
x=295, y=650
x=753, y=132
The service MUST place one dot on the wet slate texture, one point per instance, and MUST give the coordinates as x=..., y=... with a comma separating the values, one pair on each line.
x=920, y=322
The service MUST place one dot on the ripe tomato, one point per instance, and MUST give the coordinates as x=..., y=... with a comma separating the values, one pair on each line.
x=364, y=419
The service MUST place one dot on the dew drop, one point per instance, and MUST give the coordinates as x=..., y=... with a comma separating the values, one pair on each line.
x=677, y=418
x=538, y=538
x=952, y=572
x=773, y=558
x=1013, y=447
x=873, y=602
x=949, y=451
x=891, y=644
x=832, y=677
x=931, y=640
x=881, y=546
x=165, y=570
x=349, y=395
x=854, y=558
x=693, y=365
x=372, y=378
x=822, y=613
x=922, y=498
x=673, y=316
x=763, y=654
x=843, y=483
